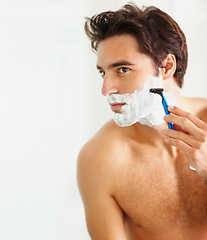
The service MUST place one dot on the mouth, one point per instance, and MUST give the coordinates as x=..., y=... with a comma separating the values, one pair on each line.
x=116, y=107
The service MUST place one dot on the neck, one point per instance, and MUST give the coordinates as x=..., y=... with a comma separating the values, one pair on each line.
x=172, y=87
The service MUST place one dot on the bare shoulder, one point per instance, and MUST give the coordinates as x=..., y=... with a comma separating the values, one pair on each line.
x=199, y=107
x=202, y=102
x=105, y=143
x=96, y=172
x=100, y=157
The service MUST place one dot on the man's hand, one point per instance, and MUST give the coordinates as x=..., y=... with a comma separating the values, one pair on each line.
x=189, y=136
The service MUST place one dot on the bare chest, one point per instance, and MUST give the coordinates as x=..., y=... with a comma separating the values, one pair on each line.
x=159, y=193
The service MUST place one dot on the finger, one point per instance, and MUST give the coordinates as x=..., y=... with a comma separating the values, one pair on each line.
x=177, y=111
x=185, y=123
x=180, y=145
x=183, y=137
x=181, y=129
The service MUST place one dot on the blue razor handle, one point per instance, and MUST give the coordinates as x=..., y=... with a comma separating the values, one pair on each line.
x=164, y=103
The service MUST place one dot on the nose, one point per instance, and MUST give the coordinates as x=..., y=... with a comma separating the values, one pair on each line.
x=108, y=87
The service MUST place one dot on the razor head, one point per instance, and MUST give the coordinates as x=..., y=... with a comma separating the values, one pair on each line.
x=157, y=90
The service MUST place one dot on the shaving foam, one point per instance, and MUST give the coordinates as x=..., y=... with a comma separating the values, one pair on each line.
x=141, y=106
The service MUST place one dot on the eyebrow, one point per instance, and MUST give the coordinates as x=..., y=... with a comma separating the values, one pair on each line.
x=117, y=64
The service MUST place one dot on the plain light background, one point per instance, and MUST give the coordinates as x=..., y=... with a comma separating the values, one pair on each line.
x=51, y=104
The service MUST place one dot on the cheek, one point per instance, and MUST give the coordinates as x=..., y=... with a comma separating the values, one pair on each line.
x=138, y=79
x=130, y=83
x=129, y=88
x=136, y=85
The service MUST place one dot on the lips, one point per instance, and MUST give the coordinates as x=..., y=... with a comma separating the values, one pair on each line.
x=117, y=106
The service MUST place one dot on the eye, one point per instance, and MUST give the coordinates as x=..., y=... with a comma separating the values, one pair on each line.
x=102, y=73
x=123, y=70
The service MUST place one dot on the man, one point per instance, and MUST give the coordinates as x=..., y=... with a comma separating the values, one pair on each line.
x=143, y=180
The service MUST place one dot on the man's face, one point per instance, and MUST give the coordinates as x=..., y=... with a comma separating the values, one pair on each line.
x=123, y=68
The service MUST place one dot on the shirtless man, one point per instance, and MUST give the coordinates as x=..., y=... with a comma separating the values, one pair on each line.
x=135, y=181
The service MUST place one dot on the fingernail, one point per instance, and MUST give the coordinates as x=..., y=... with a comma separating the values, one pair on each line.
x=170, y=107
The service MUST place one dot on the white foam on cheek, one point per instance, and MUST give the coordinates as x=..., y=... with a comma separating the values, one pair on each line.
x=141, y=106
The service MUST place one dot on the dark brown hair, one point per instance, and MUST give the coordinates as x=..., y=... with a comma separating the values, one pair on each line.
x=156, y=32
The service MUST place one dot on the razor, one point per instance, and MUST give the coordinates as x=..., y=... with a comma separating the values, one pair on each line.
x=164, y=103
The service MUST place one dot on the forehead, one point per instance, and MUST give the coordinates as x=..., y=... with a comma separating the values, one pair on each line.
x=117, y=48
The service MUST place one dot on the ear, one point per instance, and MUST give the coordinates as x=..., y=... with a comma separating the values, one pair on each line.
x=168, y=67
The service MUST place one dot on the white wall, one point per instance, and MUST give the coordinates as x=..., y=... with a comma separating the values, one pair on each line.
x=50, y=105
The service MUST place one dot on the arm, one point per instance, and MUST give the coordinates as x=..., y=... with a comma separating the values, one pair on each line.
x=103, y=215
x=189, y=136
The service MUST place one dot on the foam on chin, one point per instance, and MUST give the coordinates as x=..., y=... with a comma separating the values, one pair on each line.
x=141, y=106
